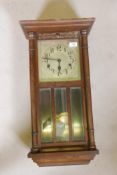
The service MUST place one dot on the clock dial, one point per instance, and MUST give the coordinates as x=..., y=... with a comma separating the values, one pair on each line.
x=59, y=60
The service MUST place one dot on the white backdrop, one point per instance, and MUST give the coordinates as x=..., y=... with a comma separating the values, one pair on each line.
x=15, y=137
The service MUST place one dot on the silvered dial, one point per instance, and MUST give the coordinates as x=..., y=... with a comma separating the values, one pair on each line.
x=59, y=59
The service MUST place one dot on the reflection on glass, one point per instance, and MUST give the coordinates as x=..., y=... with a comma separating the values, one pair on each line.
x=62, y=129
x=77, y=114
x=46, y=115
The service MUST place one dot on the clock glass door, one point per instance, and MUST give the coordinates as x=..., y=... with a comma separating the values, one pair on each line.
x=62, y=114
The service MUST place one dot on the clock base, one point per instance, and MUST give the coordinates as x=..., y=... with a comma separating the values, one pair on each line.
x=63, y=158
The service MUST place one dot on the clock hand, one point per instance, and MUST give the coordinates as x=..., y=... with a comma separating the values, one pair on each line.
x=50, y=59
x=59, y=67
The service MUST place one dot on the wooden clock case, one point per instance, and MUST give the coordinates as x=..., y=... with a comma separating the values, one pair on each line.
x=62, y=153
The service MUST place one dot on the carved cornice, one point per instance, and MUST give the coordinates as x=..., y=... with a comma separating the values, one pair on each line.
x=59, y=35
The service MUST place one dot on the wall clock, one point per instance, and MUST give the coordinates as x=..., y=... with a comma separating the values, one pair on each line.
x=61, y=109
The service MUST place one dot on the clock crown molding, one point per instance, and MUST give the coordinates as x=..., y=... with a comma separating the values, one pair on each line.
x=46, y=27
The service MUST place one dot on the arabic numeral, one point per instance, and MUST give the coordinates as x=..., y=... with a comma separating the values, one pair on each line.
x=52, y=50
x=58, y=47
x=69, y=53
x=65, y=49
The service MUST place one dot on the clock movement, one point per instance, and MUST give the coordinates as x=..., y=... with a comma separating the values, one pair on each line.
x=61, y=107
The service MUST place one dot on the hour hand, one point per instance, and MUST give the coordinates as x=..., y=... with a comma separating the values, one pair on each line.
x=59, y=67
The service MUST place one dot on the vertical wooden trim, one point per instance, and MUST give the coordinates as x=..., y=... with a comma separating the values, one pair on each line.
x=34, y=91
x=53, y=115
x=83, y=91
x=87, y=89
x=37, y=92
x=69, y=113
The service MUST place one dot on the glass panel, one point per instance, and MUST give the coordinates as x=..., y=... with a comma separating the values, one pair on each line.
x=62, y=130
x=46, y=115
x=59, y=60
x=77, y=114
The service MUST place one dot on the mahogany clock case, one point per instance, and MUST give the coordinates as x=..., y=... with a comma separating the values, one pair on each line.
x=60, y=152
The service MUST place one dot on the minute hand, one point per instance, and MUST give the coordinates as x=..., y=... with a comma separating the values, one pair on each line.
x=50, y=59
